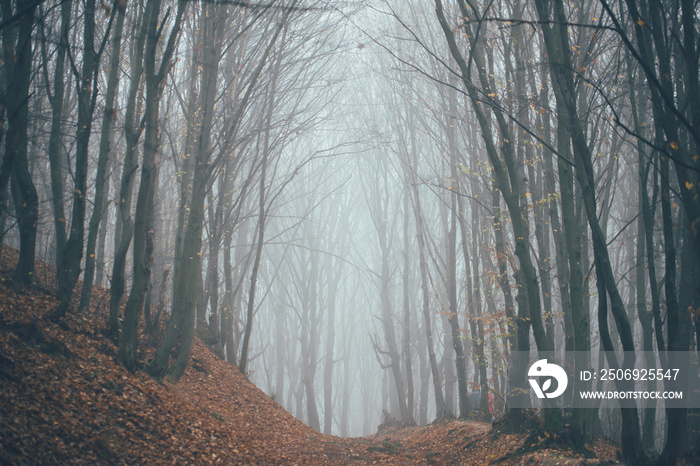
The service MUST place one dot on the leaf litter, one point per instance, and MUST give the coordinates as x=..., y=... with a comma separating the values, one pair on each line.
x=65, y=398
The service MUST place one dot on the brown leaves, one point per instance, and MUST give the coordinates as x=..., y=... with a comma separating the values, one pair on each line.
x=64, y=398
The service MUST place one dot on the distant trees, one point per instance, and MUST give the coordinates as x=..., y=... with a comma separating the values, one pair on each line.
x=663, y=40
x=390, y=217
x=561, y=74
x=562, y=108
x=219, y=123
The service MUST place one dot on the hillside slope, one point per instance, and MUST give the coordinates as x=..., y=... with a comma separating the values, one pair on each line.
x=64, y=398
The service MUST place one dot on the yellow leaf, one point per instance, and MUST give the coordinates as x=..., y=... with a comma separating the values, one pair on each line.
x=674, y=145
x=493, y=94
x=640, y=22
x=689, y=185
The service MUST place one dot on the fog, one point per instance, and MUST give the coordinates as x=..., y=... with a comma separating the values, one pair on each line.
x=368, y=207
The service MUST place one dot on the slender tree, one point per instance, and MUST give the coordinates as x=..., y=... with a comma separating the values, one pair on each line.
x=17, y=49
x=102, y=175
x=86, y=81
x=143, y=220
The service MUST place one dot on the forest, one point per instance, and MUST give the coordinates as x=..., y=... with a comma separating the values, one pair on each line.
x=377, y=211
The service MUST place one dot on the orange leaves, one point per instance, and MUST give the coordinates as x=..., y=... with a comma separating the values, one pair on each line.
x=80, y=406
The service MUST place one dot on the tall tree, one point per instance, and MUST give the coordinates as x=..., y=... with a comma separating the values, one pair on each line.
x=556, y=40
x=180, y=330
x=86, y=82
x=506, y=170
x=132, y=133
x=263, y=199
x=102, y=175
x=143, y=220
x=17, y=50
x=55, y=147
x=411, y=181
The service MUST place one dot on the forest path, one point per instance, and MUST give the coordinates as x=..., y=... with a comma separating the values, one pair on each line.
x=217, y=387
x=66, y=399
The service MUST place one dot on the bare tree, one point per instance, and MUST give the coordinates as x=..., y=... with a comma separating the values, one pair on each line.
x=17, y=49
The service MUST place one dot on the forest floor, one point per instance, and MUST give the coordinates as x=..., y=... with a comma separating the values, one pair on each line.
x=64, y=398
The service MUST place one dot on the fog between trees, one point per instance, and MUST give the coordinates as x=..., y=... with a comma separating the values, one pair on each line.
x=371, y=206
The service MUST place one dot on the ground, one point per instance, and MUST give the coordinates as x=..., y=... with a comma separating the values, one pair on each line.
x=64, y=398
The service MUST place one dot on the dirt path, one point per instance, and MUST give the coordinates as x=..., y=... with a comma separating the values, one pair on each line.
x=67, y=399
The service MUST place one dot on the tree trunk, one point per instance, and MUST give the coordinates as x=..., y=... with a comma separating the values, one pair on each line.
x=558, y=50
x=19, y=69
x=677, y=322
x=407, y=313
x=132, y=134
x=69, y=267
x=102, y=176
x=180, y=330
x=333, y=281
x=508, y=180
x=477, y=323
x=243, y=363
x=143, y=219
x=55, y=147
x=441, y=411
x=455, y=217
x=644, y=224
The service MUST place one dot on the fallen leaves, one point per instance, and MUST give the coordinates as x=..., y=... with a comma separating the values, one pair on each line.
x=64, y=398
